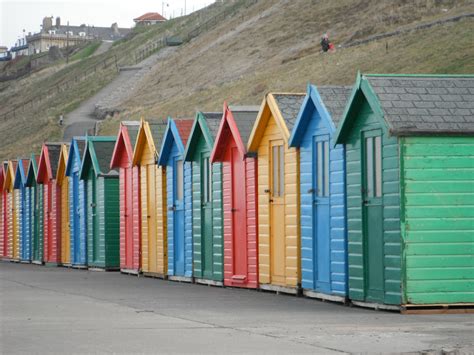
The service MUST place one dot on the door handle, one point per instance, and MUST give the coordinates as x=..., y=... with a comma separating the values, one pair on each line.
x=311, y=191
x=172, y=208
x=271, y=200
x=267, y=191
x=233, y=210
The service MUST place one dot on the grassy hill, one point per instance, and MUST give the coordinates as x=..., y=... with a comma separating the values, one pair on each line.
x=270, y=46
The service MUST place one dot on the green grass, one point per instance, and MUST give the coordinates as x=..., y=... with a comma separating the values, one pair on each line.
x=87, y=51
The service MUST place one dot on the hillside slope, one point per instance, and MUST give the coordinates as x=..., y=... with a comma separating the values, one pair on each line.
x=272, y=45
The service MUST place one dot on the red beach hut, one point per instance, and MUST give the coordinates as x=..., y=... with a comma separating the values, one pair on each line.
x=129, y=189
x=239, y=196
x=3, y=214
x=47, y=169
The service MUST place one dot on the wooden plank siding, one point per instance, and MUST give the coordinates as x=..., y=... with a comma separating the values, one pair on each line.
x=438, y=219
x=365, y=119
x=217, y=216
x=188, y=214
x=291, y=208
x=337, y=223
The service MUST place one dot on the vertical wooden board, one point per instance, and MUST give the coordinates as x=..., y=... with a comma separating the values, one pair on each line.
x=170, y=230
x=111, y=214
x=101, y=234
x=144, y=219
x=292, y=212
x=188, y=219
x=83, y=222
x=16, y=225
x=217, y=220
x=161, y=250
x=227, y=221
x=252, y=220
x=151, y=217
x=90, y=230
x=338, y=221
x=136, y=218
x=263, y=215
x=196, y=211
x=65, y=222
x=438, y=260
x=123, y=212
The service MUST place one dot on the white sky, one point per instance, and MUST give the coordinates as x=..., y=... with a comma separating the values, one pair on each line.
x=16, y=15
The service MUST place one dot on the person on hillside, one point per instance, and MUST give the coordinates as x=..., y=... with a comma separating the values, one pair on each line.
x=61, y=119
x=325, y=44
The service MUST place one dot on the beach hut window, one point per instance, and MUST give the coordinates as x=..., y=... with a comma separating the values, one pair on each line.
x=179, y=180
x=322, y=150
x=278, y=179
x=207, y=173
x=373, y=154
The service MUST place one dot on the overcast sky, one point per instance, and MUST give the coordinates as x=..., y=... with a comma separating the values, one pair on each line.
x=19, y=15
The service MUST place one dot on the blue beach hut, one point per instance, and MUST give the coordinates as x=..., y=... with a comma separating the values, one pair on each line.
x=77, y=203
x=179, y=199
x=323, y=219
x=22, y=208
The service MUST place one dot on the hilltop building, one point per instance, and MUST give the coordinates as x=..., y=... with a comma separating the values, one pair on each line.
x=63, y=35
x=150, y=18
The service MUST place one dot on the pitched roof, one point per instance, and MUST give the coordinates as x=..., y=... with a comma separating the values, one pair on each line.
x=335, y=100
x=81, y=145
x=213, y=120
x=54, y=150
x=425, y=104
x=289, y=105
x=150, y=16
x=132, y=128
x=244, y=117
x=103, y=152
x=157, y=129
x=184, y=126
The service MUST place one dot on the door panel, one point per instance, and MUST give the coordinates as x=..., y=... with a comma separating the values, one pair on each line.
x=206, y=215
x=239, y=222
x=321, y=213
x=93, y=206
x=277, y=212
x=127, y=193
x=77, y=207
x=373, y=215
x=178, y=215
x=151, y=210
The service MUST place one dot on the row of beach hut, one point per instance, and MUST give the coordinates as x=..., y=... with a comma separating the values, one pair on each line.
x=363, y=194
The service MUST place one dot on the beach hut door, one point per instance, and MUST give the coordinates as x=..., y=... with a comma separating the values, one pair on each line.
x=373, y=215
x=239, y=223
x=94, y=219
x=76, y=221
x=128, y=207
x=178, y=216
x=321, y=220
x=277, y=212
x=206, y=213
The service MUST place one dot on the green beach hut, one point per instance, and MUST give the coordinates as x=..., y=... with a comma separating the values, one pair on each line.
x=103, y=217
x=409, y=143
x=208, y=247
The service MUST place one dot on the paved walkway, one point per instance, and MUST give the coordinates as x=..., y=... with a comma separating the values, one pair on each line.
x=107, y=100
x=57, y=310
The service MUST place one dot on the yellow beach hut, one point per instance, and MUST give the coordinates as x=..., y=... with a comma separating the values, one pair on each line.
x=278, y=193
x=63, y=184
x=12, y=212
x=154, y=257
